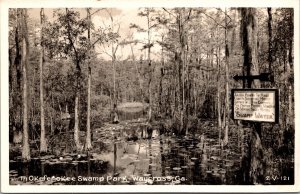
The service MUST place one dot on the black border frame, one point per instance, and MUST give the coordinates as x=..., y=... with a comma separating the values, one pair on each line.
x=276, y=92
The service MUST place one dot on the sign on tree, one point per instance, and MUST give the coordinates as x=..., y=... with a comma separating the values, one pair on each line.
x=259, y=105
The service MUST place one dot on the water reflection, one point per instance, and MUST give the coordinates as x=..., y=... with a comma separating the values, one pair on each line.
x=158, y=159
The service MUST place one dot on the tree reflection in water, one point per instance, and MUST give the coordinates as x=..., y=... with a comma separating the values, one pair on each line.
x=199, y=160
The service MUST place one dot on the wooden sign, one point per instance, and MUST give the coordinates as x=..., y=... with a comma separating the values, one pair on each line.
x=261, y=105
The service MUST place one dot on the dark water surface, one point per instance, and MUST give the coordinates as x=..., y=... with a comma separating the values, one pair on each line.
x=119, y=158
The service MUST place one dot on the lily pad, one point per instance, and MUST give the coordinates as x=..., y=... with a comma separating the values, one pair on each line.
x=214, y=157
x=216, y=174
x=13, y=172
x=176, y=168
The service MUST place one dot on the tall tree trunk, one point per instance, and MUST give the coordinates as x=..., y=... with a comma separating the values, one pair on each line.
x=181, y=70
x=115, y=115
x=186, y=88
x=18, y=66
x=88, y=142
x=76, y=125
x=289, y=91
x=253, y=161
x=114, y=76
x=114, y=49
x=226, y=112
x=140, y=79
x=77, y=92
x=195, y=97
x=32, y=98
x=270, y=38
x=24, y=62
x=161, y=78
x=218, y=94
x=218, y=60
x=11, y=87
x=43, y=143
x=150, y=68
x=288, y=69
x=174, y=88
x=76, y=109
x=52, y=113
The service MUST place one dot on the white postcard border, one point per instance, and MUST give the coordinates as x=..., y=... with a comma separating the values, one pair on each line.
x=6, y=4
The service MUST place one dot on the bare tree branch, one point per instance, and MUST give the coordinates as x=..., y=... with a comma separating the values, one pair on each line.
x=214, y=20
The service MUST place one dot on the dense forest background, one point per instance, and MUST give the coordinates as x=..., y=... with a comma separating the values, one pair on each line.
x=62, y=66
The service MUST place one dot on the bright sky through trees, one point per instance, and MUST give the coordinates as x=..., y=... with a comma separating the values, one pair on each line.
x=123, y=17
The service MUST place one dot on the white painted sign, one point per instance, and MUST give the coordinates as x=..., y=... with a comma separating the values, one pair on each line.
x=255, y=105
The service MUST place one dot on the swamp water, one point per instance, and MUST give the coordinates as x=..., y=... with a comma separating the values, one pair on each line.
x=116, y=159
